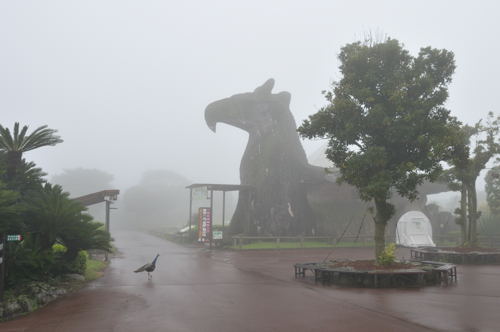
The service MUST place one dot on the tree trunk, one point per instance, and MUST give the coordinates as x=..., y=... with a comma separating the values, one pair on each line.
x=463, y=214
x=379, y=238
x=45, y=241
x=13, y=162
x=473, y=215
x=383, y=214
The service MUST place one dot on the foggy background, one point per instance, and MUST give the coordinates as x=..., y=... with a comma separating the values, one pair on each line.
x=126, y=82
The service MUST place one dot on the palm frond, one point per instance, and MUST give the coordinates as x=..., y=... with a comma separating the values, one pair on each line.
x=42, y=136
x=6, y=142
x=21, y=136
x=20, y=141
x=15, y=136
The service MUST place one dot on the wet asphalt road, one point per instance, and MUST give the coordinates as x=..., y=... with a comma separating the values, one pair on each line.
x=197, y=290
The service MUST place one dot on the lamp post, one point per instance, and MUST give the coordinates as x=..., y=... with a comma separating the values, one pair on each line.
x=108, y=200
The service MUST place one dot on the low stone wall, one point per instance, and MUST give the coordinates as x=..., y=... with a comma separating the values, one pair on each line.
x=422, y=274
x=35, y=295
x=450, y=256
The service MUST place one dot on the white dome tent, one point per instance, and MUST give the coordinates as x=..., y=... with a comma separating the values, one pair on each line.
x=414, y=230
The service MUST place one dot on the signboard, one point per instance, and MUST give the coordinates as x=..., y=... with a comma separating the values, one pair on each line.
x=204, y=224
x=200, y=193
x=14, y=237
x=217, y=235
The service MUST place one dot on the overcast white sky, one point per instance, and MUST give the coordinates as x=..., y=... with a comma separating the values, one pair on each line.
x=126, y=82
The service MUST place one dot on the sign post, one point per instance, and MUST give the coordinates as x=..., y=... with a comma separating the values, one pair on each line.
x=14, y=237
x=3, y=257
x=2, y=265
x=108, y=207
x=211, y=216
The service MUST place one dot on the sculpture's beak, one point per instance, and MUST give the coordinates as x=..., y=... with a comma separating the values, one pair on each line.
x=212, y=125
x=224, y=111
x=212, y=116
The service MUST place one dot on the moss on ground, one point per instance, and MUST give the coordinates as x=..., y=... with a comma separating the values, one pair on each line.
x=94, y=269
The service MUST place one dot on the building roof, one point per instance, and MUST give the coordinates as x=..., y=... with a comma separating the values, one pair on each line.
x=220, y=187
x=98, y=197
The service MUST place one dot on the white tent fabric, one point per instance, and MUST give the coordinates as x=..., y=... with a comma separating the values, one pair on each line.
x=414, y=230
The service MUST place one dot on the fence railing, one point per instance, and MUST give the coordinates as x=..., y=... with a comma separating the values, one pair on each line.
x=301, y=241
x=247, y=242
x=454, y=240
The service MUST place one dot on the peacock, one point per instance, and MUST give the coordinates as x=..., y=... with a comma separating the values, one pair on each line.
x=149, y=267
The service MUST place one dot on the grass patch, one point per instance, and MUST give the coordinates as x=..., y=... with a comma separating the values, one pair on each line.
x=94, y=269
x=447, y=244
x=297, y=245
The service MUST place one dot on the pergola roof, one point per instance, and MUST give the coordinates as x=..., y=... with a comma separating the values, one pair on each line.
x=98, y=197
x=220, y=187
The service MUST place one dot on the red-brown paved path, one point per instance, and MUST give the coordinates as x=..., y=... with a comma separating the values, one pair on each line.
x=195, y=290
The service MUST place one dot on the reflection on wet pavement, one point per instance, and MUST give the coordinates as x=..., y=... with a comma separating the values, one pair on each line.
x=196, y=290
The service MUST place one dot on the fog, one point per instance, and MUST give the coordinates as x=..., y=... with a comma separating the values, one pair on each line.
x=126, y=82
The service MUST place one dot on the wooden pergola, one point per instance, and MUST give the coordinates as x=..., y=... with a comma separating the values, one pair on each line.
x=98, y=197
x=211, y=187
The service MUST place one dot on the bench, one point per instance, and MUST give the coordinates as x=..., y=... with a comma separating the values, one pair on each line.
x=301, y=268
x=445, y=271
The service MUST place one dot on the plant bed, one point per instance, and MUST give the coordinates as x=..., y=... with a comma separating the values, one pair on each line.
x=30, y=296
x=458, y=255
x=366, y=273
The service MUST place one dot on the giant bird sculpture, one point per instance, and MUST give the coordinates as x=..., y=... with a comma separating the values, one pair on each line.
x=149, y=267
x=290, y=196
x=274, y=163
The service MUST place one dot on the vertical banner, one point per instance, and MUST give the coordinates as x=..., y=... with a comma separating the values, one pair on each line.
x=204, y=224
x=200, y=224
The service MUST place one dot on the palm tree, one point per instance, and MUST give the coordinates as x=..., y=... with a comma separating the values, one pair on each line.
x=50, y=211
x=28, y=176
x=9, y=210
x=54, y=217
x=18, y=142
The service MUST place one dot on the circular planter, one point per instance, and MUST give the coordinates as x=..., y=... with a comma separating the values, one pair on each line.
x=418, y=275
x=450, y=255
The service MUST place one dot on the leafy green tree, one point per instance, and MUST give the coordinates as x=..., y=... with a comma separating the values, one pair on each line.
x=18, y=142
x=473, y=148
x=386, y=126
x=493, y=190
x=489, y=224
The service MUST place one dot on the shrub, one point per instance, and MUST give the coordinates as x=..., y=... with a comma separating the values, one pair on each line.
x=59, y=248
x=387, y=257
x=79, y=264
x=26, y=264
